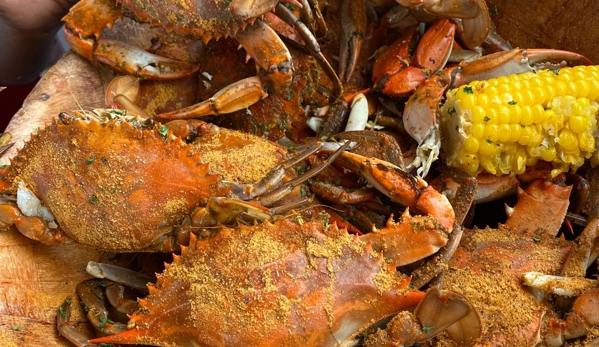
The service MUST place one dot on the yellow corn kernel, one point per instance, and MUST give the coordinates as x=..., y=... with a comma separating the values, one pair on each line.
x=563, y=75
x=469, y=163
x=527, y=118
x=503, y=80
x=594, y=90
x=572, y=88
x=483, y=100
x=560, y=88
x=516, y=131
x=583, y=88
x=492, y=116
x=526, y=135
x=468, y=101
x=505, y=114
x=583, y=102
x=478, y=131
x=504, y=88
x=492, y=132
x=577, y=124
x=504, y=133
x=568, y=140
x=550, y=93
x=539, y=114
x=478, y=114
x=535, y=81
x=519, y=161
x=471, y=145
x=515, y=114
x=586, y=142
x=549, y=154
x=486, y=148
x=527, y=97
x=540, y=95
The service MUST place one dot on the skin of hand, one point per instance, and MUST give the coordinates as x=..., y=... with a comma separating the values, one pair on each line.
x=27, y=32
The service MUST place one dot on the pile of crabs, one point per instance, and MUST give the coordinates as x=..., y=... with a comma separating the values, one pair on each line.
x=293, y=218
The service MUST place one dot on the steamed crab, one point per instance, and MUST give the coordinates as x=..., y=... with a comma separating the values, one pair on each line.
x=289, y=283
x=529, y=285
x=205, y=20
x=132, y=186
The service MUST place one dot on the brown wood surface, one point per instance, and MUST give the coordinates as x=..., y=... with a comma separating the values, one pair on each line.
x=35, y=279
x=564, y=24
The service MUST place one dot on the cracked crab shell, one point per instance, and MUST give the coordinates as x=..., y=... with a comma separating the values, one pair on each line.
x=110, y=186
x=279, y=284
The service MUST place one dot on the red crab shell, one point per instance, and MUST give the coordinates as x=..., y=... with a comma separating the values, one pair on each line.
x=205, y=18
x=279, y=284
x=112, y=186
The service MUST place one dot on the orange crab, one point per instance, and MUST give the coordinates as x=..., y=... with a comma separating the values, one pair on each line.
x=206, y=20
x=496, y=269
x=132, y=185
x=289, y=283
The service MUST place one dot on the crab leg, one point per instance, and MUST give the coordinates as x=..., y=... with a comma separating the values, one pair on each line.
x=250, y=191
x=90, y=292
x=235, y=97
x=314, y=48
x=68, y=331
x=401, y=187
x=585, y=313
x=128, y=59
x=31, y=218
x=353, y=23
x=120, y=275
x=396, y=75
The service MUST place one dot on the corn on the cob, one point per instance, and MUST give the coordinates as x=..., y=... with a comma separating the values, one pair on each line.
x=503, y=125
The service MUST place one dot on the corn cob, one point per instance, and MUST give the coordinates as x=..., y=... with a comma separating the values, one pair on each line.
x=504, y=124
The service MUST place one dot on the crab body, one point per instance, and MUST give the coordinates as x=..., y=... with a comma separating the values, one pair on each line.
x=284, y=284
x=503, y=273
x=122, y=187
x=206, y=18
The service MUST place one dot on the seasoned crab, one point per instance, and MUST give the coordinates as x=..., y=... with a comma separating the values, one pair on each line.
x=287, y=283
x=202, y=20
x=496, y=270
x=125, y=186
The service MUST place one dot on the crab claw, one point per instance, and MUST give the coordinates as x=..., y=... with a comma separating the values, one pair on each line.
x=122, y=57
x=353, y=21
x=268, y=50
x=401, y=187
x=396, y=74
x=545, y=200
x=439, y=310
